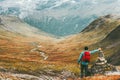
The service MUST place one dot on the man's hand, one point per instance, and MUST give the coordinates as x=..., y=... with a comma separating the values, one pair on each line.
x=99, y=49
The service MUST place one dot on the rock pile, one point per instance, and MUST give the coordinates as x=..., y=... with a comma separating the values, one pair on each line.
x=101, y=65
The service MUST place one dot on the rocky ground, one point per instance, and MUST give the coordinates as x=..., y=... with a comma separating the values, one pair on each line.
x=64, y=75
x=11, y=76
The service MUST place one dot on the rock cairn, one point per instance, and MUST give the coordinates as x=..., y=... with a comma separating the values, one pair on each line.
x=101, y=65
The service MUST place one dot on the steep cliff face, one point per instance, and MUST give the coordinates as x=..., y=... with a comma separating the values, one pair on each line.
x=114, y=35
x=113, y=42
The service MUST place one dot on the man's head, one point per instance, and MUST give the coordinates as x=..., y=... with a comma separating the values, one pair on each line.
x=85, y=48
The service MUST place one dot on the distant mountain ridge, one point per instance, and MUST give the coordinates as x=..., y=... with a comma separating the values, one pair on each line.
x=11, y=23
x=59, y=17
x=14, y=26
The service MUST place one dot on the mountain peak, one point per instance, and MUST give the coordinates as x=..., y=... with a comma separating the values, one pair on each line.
x=101, y=22
x=59, y=17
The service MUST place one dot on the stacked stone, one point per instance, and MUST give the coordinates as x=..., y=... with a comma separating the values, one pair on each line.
x=101, y=65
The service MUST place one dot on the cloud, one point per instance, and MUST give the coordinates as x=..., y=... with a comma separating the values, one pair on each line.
x=81, y=11
x=83, y=8
x=25, y=6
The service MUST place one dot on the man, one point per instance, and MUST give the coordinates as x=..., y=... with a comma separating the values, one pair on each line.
x=84, y=62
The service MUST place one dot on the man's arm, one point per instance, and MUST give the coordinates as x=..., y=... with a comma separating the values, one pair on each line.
x=94, y=51
x=79, y=59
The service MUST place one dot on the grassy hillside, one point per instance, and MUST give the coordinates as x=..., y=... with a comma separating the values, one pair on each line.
x=17, y=40
x=111, y=46
x=21, y=48
x=72, y=45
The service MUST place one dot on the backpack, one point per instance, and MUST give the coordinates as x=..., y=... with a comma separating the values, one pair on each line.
x=86, y=56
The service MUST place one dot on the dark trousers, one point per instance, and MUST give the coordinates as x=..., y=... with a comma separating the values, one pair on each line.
x=84, y=70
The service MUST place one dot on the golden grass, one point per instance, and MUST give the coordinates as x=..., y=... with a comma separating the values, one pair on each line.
x=33, y=67
x=15, y=52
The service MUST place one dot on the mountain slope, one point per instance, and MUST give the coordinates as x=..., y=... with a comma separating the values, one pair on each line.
x=22, y=51
x=16, y=26
x=14, y=32
x=22, y=47
x=114, y=35
x=94, y=33
x=112, y=46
